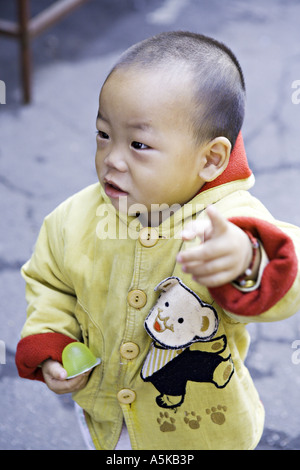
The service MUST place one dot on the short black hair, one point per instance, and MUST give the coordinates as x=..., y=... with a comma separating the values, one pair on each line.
x=216, y=73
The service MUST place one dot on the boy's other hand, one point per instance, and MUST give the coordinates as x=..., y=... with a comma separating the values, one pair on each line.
x=223, y=254
x=56, y=378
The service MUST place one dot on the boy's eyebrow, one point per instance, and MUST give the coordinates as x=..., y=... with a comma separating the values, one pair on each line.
x=144, y=126
x=99, y=116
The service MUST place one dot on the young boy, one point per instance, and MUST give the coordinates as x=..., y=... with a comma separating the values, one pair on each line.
x=160, y=266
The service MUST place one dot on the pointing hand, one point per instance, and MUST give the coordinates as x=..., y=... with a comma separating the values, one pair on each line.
x=223, y=254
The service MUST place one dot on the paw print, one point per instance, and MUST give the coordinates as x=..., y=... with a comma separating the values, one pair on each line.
x=166, y=422
x=193, y=421
x=216, y=414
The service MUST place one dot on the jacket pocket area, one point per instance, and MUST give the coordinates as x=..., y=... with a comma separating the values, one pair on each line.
x=91, y=334
x=92, y=338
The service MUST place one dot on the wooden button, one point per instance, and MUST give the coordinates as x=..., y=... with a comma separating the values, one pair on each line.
x=126, y=396
x=148, y=237
x=137, y=298
x=129, y=350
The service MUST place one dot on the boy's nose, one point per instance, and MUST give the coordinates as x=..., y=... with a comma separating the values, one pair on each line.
x=116, y=161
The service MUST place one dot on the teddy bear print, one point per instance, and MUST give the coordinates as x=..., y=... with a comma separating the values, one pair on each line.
x=178, y=319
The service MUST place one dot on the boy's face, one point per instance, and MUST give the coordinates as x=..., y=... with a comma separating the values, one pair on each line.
x=145, y=148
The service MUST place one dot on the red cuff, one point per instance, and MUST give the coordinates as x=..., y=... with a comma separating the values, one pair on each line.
x=33, y=350
x=278, y=276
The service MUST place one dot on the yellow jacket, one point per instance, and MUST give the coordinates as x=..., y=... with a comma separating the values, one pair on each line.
x=172, y=352
x=84, y=284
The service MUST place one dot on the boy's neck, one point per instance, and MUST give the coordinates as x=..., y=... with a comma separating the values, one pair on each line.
x=154, y=219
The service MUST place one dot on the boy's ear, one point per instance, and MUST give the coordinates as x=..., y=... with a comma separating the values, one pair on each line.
x=216, y=157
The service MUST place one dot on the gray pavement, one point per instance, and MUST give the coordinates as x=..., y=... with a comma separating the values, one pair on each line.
x=47, y=153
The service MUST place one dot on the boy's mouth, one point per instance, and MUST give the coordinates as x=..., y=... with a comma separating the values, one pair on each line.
x=113, y=190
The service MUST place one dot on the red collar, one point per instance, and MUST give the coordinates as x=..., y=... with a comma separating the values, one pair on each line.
x=237, y=168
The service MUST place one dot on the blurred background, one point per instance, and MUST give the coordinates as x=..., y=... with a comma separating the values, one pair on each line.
x=47, y=149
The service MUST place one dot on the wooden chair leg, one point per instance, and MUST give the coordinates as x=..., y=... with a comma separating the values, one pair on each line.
x=28, y=28
x=25, y=49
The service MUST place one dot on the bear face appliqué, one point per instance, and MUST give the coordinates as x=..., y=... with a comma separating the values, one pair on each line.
x=178, y=319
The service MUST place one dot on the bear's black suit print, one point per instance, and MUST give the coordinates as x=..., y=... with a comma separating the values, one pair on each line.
x=179, y=319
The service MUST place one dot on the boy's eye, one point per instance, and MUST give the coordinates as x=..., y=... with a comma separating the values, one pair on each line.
x=102, y=135
x=138, y=145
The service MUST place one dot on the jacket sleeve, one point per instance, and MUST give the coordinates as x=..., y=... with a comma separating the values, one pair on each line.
x=35, y=349
x=278, y=295
x=51, y=323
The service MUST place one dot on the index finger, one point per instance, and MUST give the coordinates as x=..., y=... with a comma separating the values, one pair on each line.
x=218, y=222
x=196, y=228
